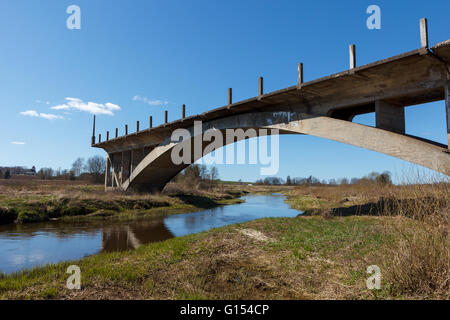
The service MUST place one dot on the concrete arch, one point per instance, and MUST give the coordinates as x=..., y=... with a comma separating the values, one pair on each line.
x=157, y=168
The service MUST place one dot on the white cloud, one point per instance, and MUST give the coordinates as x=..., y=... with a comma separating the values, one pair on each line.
x=50, y=116
x=91, y=107
x=151, y=102
x=32, y=113
x=18, y=142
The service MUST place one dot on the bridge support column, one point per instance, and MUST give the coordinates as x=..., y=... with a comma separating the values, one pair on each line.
x=121, y=170
x=107, y=172
x=390, y=117
x=447, y=110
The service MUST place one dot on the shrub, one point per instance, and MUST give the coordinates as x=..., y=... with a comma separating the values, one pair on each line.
x=7, y=215
x=32, y=215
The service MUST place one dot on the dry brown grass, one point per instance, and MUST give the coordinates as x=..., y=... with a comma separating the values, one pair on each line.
x=419, y=264
x=85, y=190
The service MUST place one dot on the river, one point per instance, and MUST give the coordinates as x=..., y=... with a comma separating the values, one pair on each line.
x=29, y=245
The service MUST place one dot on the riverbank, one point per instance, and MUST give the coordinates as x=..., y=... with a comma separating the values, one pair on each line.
x=40, y=201
x=323, y=255
x=300, y=258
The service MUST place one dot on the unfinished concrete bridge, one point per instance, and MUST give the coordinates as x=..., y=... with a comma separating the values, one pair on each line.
x=323, y=108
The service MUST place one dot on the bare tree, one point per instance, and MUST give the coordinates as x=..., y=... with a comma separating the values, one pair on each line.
x=95, y=166
x=45, y=173
x=77, y=166
x=213, y=174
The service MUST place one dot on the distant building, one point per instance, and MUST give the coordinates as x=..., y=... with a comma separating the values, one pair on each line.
x=31, y=172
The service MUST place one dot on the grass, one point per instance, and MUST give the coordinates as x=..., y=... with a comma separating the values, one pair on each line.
x=307, y=258
x=418, y=214
x=321, y=255
x=23, y=202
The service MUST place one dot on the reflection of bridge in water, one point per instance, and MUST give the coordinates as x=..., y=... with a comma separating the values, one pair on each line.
x=132, y=236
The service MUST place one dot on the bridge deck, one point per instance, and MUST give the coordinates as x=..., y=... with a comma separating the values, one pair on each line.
x=407, y=79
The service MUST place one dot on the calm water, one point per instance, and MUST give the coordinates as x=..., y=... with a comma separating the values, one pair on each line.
x=26, y=246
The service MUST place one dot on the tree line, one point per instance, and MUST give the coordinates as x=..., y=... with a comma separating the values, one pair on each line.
x=383, y=178
x=92, y=169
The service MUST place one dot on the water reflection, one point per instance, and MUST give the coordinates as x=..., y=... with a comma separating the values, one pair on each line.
x=29, y=245
x=132, y=236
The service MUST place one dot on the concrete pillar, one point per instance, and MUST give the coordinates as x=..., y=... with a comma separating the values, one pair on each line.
x=424, y=33
x=131, y=162
x=300, y=75
x=352, y=51
x=390, y=117
x=107, y=173
x=260, y=86
x=447, y=110
x=121, y=170
x=93, y=132
x=113, y=169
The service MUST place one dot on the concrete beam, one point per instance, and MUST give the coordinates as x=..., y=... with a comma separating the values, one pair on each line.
x=156, y=168
x=390, y=117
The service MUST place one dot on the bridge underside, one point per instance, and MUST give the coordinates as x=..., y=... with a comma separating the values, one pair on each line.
x=323, y=108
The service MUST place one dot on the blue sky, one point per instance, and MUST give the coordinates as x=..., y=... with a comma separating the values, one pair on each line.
x=175, y=52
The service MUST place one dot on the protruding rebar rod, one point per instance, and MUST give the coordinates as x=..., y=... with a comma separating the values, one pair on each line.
x=117, y=132
x=93, y=132
x=107, y=135
x=230, y=95
x=260, y=86
x=352, y=51
x=166, y=116
x=99, y=138
x=183, y=111
x=151, y=122
x=424, y=33
x=137, y=126
x=300, y=74
x=126, y=129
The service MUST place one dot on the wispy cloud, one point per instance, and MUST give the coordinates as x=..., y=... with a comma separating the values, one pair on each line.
x=152, y=102
x=40, y=101
x=91, y=107
x=33, y=113
x=18, y=142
